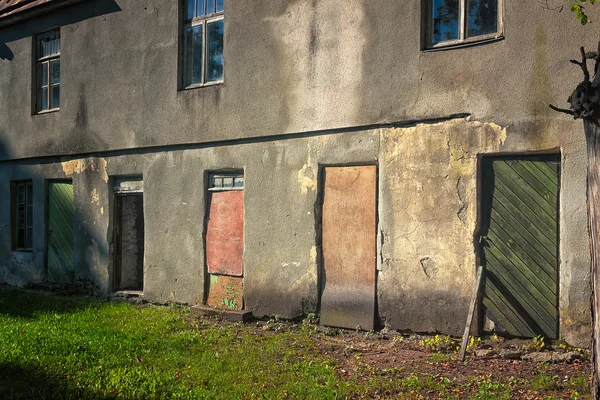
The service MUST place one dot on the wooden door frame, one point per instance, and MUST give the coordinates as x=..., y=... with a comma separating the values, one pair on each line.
x=47, y=183
x=318, y=212
x=117, y=229
x=556, y=152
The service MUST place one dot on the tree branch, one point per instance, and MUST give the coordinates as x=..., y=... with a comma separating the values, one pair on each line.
x=562, y=110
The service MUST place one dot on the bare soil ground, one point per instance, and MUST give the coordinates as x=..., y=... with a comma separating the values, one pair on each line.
x=395, y=365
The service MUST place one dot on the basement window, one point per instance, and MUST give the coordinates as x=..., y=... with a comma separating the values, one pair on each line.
x=22, y=215
x=226, y=182
x=203, y=37
x=48, y=71
x=456, y=22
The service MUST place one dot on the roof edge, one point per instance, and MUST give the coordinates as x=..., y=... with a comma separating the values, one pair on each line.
x=33, y=10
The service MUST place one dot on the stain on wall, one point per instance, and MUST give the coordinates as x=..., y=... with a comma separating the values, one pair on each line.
x=427, y=219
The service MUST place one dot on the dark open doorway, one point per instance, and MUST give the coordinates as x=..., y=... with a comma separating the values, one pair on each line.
x=128, y=271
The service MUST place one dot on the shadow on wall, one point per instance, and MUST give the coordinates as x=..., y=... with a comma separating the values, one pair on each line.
x=5, y=52
x=61, y=17
x=90, y=246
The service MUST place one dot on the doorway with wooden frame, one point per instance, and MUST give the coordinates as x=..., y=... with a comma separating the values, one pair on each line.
x=518, y=244
x=349, y=246
x=128, y=244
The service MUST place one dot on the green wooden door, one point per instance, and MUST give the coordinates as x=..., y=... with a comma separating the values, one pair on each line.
x=60, y=232
x=519, y=244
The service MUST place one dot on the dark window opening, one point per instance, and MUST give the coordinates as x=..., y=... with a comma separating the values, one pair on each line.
x=22, y=210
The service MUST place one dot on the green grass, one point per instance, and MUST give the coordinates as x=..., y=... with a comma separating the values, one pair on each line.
x=54, y=347
x=68, y=347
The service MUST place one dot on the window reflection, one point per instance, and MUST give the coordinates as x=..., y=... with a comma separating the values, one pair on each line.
x=483, y=17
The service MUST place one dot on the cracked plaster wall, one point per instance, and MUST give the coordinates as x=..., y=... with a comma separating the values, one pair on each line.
x=427, y=218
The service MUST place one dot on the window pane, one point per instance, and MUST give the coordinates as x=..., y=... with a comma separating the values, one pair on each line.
x=21, y=217
x=445, y=20
x=210, y=6
x=482, y=18
x=197, y=54
x=29, y=241
x=29, y=194
x=44, y=105
x=219, y=5
x=187, y=54
x=21, y=194
x=21, y=238
x=191, y=9
x=29, y=216
x=200, y=8
x=55, y=71
x=44, y=81
x=56, y=96
x=214, y=62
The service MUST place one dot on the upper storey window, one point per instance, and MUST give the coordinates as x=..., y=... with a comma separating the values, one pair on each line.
x=203, y=42
x=459, y=21
x=48, y=71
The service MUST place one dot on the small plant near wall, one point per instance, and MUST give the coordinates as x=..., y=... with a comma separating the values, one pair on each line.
x=439, y=343
x=474, y=342
x=538, y=343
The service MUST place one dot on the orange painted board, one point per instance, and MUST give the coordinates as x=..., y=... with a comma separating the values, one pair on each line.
x=225, y=233
x=349, y=247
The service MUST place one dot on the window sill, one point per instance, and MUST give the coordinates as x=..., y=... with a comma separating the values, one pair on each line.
x=50, y=111
x=202, y=85
x=23, y=250
x=457, y=44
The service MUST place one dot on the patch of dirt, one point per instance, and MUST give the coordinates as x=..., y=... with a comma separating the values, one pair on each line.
x=376, y=357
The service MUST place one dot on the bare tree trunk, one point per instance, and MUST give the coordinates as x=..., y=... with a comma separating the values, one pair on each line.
x=592, y=134
x=585, y=104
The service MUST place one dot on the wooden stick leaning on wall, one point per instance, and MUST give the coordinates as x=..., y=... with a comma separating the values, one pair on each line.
x=476, y=291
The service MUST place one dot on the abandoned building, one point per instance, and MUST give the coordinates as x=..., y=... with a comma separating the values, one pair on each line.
x=357, y=159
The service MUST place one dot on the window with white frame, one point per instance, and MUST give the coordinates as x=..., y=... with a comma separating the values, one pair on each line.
x=451, y=22
x=48, y=71
x=203, y=42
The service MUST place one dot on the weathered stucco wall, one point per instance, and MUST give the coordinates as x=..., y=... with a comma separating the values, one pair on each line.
x=427, y=218
x=292, y=66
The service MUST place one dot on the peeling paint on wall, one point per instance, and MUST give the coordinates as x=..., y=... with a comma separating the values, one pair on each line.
x=78, y=166
x=95, y=197
x=307, y=177
x=429, y=194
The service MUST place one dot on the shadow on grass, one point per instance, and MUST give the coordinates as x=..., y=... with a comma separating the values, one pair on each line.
x=21, y=303
x=29, y=382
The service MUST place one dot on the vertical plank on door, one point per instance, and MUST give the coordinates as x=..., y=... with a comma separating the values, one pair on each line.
x=60, y=232
x=349, y=247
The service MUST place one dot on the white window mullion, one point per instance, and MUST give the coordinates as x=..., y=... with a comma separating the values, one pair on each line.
x=462, y=20
x=204, y=50
x=49, y=83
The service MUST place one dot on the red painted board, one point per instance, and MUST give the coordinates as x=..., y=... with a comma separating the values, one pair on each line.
x=225, y=233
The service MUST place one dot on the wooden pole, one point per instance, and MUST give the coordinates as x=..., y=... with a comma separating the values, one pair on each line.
x=476, y=290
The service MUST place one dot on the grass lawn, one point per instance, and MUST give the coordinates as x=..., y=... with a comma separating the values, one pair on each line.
x=73, y=347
